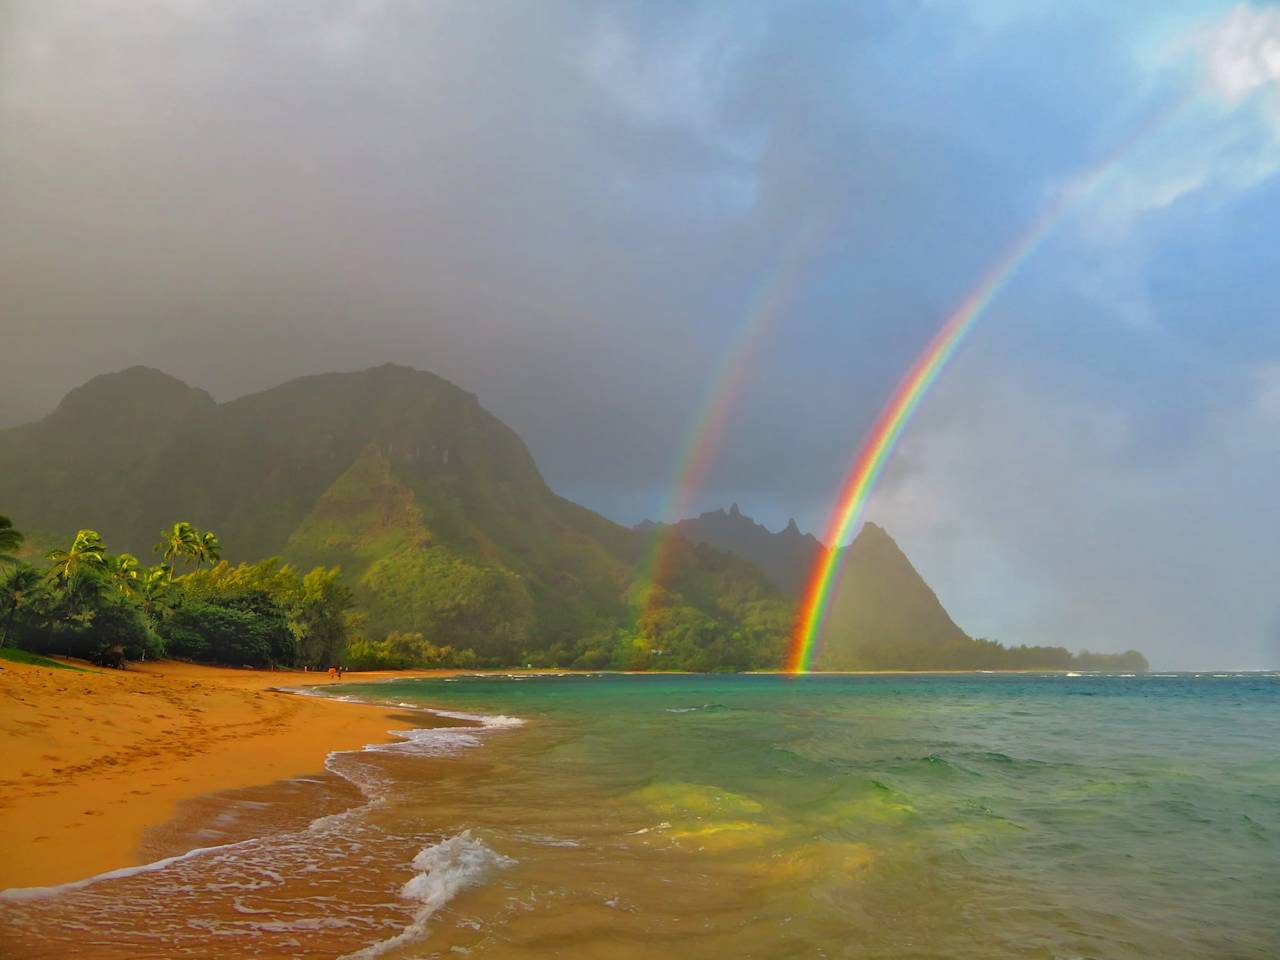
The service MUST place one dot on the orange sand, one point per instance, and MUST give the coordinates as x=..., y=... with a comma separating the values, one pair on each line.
x=90, y=760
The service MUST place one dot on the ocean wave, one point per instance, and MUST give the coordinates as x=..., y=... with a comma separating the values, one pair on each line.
x=421, y=741
x=543, y=840
x=490, y=721
x=445, y=869
x=705, y=706
x=428, y=741
x=41, y=893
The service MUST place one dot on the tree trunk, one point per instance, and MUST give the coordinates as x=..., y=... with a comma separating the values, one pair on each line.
x=8, y=623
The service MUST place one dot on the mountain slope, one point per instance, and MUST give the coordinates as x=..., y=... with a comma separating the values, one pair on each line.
x=882, y=615
x=84, y=464
x=882, y=612
x=784, y=557
x=433, y=507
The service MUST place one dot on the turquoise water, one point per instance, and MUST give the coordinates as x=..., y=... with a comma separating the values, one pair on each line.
x=958, y=816
x=967, y=815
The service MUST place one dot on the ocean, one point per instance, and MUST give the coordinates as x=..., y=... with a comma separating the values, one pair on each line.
x=605, y=816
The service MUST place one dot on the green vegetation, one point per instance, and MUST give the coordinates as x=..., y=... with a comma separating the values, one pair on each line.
x=452, y=549
x=400, y=651
x=432, y=508
x=90, y=603
x=13, y=655
x=883, y=616
x=977, y=654
x=10, y=541
x=105, y=607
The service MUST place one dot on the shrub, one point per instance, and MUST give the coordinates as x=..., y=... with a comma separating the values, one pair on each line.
x=247, y=628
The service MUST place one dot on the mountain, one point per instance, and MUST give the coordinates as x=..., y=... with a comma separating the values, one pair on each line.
x=784, y=557
x=443, y=525
x=84, y=464
x=433, y=507
x=882, y=614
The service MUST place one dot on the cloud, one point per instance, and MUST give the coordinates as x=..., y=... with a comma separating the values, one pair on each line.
x=1024, y=508
x=1214, y=85
x=1242, y=51
x=570, y=211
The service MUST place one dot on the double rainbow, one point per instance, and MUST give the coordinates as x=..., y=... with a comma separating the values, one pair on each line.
x=905, y=399
x=706, y=433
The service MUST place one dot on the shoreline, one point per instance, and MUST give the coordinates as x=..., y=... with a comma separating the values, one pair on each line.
x=95, y=758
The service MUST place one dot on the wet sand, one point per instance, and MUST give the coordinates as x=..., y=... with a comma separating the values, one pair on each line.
x=93, y=759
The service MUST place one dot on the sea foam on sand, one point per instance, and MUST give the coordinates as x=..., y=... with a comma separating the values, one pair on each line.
x=444, y=870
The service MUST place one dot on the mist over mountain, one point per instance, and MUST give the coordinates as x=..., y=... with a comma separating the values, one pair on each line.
x=882, y=614
x=882, y=611
x=433, y=508
x=442, y=524
x=784, y=557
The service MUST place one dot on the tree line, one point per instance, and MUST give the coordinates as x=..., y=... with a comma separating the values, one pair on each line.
x=87, y=602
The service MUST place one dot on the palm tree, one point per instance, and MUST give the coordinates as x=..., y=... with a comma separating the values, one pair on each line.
x=10, y=541
x=13, y=589
x=210, y=548
x=87, y=554
x=123, y=569
x=152, y=587
x=181, y=541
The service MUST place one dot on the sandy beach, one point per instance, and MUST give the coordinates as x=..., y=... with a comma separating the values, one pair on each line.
x=95, y=757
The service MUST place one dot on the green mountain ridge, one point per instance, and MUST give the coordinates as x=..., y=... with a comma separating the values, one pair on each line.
x=882, y=614
x=444, y=526
x=433, y=507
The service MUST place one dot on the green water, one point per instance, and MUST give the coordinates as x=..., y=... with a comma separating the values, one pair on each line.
x=887, y=817
x=622, y=817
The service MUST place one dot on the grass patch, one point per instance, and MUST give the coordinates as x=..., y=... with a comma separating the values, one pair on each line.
x=14, y=655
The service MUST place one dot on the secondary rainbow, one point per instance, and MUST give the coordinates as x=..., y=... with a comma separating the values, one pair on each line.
x=905, y=399
x=707, y=431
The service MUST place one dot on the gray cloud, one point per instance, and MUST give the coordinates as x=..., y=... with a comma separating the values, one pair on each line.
x=568, y=209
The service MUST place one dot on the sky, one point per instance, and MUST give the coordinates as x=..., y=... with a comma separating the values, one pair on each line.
x=570, y=209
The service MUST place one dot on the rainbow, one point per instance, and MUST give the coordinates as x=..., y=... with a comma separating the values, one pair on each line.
x=903, y=402
x=706, y=432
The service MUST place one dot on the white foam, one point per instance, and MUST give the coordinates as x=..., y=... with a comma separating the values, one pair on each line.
x=543, y=840
x=445, y=869
x=40, y=893
x=445, y=741
x=440, y=741
x=485, y=720
x=664, y=825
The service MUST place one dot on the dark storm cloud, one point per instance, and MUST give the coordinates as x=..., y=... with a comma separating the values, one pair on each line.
x=569, y=209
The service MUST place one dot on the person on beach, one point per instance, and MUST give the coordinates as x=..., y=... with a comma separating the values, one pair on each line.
x=333, y=673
